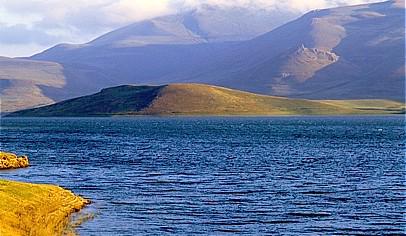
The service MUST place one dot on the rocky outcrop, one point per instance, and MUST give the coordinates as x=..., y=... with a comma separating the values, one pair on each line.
x=12, y=161
x=305, y=62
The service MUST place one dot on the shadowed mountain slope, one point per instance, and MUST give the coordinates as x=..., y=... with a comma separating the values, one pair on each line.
x=199, y=99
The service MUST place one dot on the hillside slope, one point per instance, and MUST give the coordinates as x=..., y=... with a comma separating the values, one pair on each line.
x=354, y=52
x=199, y=99
x=21, y=83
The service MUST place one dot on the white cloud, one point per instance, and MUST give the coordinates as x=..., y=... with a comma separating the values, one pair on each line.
x=78, y=21
x=20, y=50
x=292, y=5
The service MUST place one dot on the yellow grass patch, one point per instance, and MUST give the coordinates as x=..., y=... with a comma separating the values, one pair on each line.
x=200, y=99
x=35, y=209
x=12, y=161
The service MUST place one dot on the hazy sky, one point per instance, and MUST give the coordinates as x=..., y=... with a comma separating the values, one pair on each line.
x=29, y=26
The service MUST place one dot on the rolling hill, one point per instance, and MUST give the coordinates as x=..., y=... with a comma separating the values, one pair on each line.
x=199, y=99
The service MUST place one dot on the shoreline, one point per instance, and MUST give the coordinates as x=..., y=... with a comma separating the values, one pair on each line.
x=208, y=116
x=34, y=209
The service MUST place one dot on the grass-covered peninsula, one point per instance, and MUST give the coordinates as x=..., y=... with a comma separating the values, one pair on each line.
x=200, y=99
x=35, y=209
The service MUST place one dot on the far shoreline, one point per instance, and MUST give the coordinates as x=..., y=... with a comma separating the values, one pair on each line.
x=206, y=116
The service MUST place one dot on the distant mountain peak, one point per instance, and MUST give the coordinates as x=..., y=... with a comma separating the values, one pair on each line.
x=206, y=23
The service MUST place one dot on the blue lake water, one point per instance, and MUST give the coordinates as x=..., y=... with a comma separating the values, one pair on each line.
x=217, y=176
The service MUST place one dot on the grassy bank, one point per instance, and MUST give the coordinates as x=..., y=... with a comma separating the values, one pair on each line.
x=35, y=209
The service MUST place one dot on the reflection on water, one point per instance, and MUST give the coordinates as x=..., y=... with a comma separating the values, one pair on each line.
x=296, y=175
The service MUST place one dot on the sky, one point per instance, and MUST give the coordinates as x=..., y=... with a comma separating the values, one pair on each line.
x=30, y=26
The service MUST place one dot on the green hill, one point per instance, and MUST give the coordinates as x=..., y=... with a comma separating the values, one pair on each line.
x=199, y=99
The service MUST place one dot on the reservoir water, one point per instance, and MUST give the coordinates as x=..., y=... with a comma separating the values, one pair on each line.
x=219, y=176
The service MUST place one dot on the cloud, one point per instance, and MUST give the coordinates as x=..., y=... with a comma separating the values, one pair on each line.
x=301, y=6
x=20, y=50
x=22, y=34
x=84, y=14
x=47, y=22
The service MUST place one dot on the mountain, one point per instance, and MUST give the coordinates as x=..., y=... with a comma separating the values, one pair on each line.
x=145, y=52
x=353, y=52
x=21, y=82
x=205, y=24
x=138, y=53
x=199, y=99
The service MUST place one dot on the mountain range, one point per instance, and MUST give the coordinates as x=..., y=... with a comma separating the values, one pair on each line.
x=353, y=52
